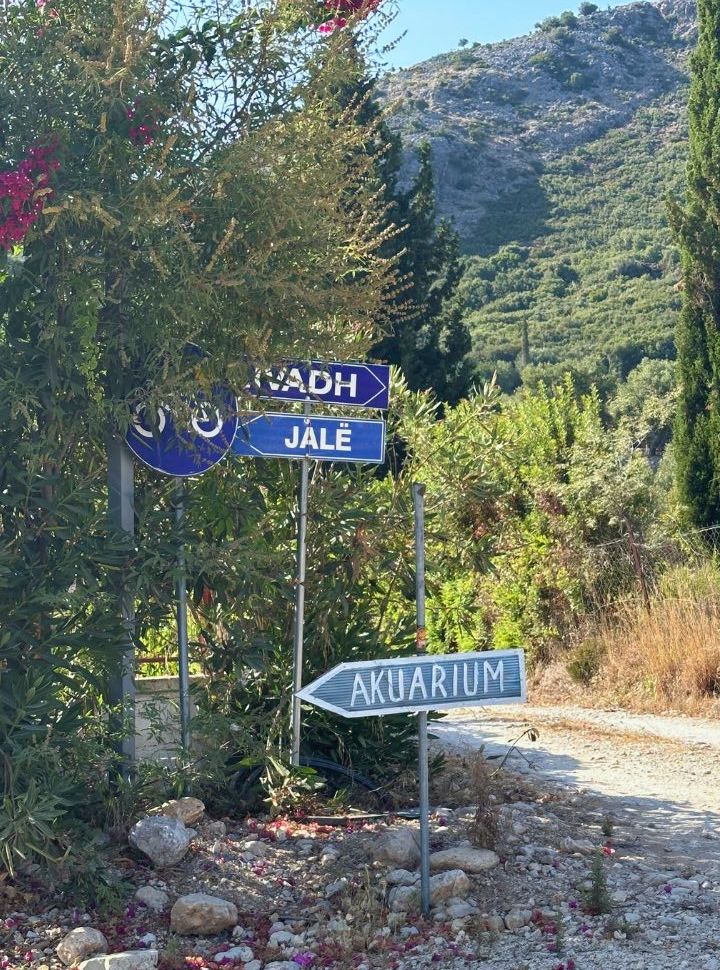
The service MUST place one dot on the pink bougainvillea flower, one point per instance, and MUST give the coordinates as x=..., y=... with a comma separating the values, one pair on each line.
x=4, y=962
x=304, y=959
x=40, y=3
x=21, y=204
x=351, y=6
x=608, y=850
x=330, y=26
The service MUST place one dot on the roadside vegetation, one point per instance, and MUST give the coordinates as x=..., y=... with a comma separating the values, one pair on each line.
x=142, y=212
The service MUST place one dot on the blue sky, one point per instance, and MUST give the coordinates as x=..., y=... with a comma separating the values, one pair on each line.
x=436, y=26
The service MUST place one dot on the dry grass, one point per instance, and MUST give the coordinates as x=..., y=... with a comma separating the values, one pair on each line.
x=665, y=659
x=671, y=653
x=484, y=830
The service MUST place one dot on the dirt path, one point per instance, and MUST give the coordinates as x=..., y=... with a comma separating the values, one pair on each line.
x=659, y=775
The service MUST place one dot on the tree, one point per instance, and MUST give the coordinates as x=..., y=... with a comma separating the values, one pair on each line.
x=697, y=429
x=586, y=9
x=429, y=339
x=160, y=185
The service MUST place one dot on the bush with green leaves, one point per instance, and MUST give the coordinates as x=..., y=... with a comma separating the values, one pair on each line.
x=594, y=227
x=192, y=181
x=532, y=493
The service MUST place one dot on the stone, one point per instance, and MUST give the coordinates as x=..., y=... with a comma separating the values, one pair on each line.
x=465, y=858
x=281, y=965
x=79, y=944
x=336, y=887
x=255, y=848
x=130, y=960
x=255, y=965
x=517, y=918
x=163, y=840
x=493, y=923
x=199, y=914
x=444, y=886
x=213, y=830
x=329, y=856
x=459, y=909
x=243, y=953
x=399, y=847
x=401, y=877
x=155, y=899
x=188, y=810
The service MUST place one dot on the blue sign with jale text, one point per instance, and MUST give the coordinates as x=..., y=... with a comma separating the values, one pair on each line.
x=275, y=435
x=424, y=683
x=348, y=385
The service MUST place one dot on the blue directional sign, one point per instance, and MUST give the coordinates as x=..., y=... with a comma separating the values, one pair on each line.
x=349, y=385
x=324, y=438
x=187, y=451
x=427, y=683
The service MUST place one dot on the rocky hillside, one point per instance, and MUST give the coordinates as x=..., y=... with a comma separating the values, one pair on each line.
x=554, y=153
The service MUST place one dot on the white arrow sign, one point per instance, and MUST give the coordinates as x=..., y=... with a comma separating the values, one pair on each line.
x=427, y=683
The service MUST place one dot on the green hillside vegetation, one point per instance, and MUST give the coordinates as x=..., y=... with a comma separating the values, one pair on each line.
x=586, y=260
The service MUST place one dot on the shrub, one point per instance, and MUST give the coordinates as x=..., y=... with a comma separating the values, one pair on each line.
x=586, y=9
x=675, y=645
x=615, y=37
x=550, y=23
x=585, y=661
x=578, y=81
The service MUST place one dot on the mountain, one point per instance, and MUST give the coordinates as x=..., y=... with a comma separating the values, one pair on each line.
x=554, y=155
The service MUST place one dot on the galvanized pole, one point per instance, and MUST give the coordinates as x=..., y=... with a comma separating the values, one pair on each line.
x=182, y=627
x=298, y=639
x=423, y=743
x=121, y=688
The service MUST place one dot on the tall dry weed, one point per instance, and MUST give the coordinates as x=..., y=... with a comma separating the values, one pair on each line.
x=671, y=652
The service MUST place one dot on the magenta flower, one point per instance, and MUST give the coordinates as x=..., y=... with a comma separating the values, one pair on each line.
x=330, y=26
x=304, y=959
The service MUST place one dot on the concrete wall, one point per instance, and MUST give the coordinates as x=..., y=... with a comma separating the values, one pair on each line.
x=157, y=717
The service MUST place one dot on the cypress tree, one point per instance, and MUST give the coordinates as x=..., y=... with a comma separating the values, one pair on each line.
x=697, y=431
x=524, y=344
x=429, y=338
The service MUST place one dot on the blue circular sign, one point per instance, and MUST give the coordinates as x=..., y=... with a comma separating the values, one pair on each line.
x=189, y=450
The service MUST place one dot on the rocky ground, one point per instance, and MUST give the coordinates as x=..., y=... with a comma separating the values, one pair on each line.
x=513, y=885
x=495, y=114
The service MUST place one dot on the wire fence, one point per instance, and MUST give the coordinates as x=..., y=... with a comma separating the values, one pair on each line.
x=631, y=567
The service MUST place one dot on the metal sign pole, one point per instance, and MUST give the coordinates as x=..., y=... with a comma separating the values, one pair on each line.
x=121, y=688
x=423, y=743
x=182, y=627
x=296, y=703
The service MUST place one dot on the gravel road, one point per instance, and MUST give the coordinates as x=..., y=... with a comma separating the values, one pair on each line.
x=662, y=773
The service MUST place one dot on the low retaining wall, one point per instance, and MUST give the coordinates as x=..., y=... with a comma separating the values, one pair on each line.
x=157, y=717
